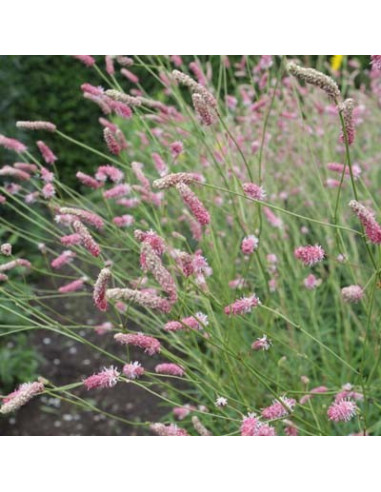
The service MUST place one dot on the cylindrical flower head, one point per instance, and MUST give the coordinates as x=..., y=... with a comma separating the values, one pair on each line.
x=37, y=125
x=252, y=426
x=46, y=152
x=85, y=216
x=277, y=409
x=117, y=191
x=88, y=180
x=316, y=78
x=170, y=369
x=342, y=411
x=104, y=379
x=199, y=427
x=242, y=306
x=150, y=345
x=309, y=255
x=371, y=226
x=108, y=171
x=111, y=142
x=249, y=244
x=86, y=239
x=62, y=259
x=72, y=286
x=21, y=396
x=171, y=180
x=167, y=430
x=254, y=191
x=87, y=60
x=133, y=370
x=144, y=299
x=347, y=110
x=205, y=112
x=163, y=277
x=194, y=204
x=12, y=144
x=100, y=287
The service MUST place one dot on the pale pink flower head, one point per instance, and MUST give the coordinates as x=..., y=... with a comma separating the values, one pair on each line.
x=173, y=326
x=196, y=207
x=309, y=255
x=376, y=61
x=86, y=238
x=342, y=411
x=100, y=287
x=62, y=259
x=311, y=282
x=176, y=148
x=110, y=172
x=352, y=293
x=87, y=60
x=46, y=176
x=261, y=343
x=48, y=191
x=12, y=144
x=71, y=239
x=249, y=244
x=46, y=152
x=221, y=402
x=170, y=369
x=180, y=413
x=105, y=327
x=254, y=191
x=89, y=181
x=279, y=409
x=252, y=426
x=168, y=430
x=242, y=306
x=104, y=379
x=123, y=220
x=6, y=249
x=150, y=345
x=71, y=286
x=371, y=226
x=272, y=219
x=21, y=396
x=133, y=370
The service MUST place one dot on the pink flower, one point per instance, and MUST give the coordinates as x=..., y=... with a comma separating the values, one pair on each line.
x=194, y=204
x=153, y=239
x=109, y=65
x=176, y=60
x=339, y=168
x=371, y=226
x=37, y=125
x=21, y=396
x=87, y=60
x=62, y=259
x=249, y=244
x=261, y=343
x=133, y=370
x=252, y=426
x=181, y=412
x=105, y=327
x=14, y=172
x=272, y=218
x=88, y=180
x=277, y=409
x=118, y=191
x=124, y=220
x=311, y=282
x=352, y=293
x=170, y=369
x=242, y=306
x=86, y=239
x=85, y=216
x=309, y=255
x=254, y=191
x=71, y=240
x=72, y=286
x=205, y=112
x=99, y=294
x=342, y=411
x=111, y=142
x=104, y=379
x=173, y=326
x=12, y=144
x=167, y=430
x=176, y=149
x=46, y=152
x=48, y=191
x=160, y=165
x=150, y=345
x=111, y=172
x=347, y=111
x=46, y=176
x=376, y=61
x=130, y=76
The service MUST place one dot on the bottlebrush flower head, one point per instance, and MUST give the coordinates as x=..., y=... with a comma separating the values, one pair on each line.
x=342, y=411
x=15, y=173
x=21, y=396
x=144, y=299
x=352, y=293
x=87, y=60
x=24, y=166
x=72, y=286
x=170, y=369
x=180, y=413
x=84, y=215
x=272, y=218
x=37, y=125
x=168, y=430
x=371, y=226
x=133, y=370
x=104, y=379
x=88, y=180
x=173, y=326
x=316, y=78
x=160, y=165
x=184, y=79
x=15, y=263
x=254, y=191
x=347, y=111
x=376, y=61
x=195, y=206
x=242, y=306
x=130, y=76
x=46, y=176
x=100, y=287
x=339, y=168
x=150, y=345
x=124, y=220
x=71, y=240
x=252, y=426
x=117, y=191
x=46, y=152
x=124, y=98
x=110, y=172
x=261, y=343
x=311, y=282
x=199, y=427
x=48, y=191
x=62, y=259
x=154, y=240
x=154, y=264
x=279, y=408
x=249, y=244
x=111, y=142
x=86, y=238
x=309, y=255
x=12, y=144
x=171, y=180
x=206, y=113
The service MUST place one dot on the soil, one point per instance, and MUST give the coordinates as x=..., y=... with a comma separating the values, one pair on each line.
x=66, y=361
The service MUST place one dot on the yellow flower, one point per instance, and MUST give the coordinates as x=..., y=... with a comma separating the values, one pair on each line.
x=336, y=62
